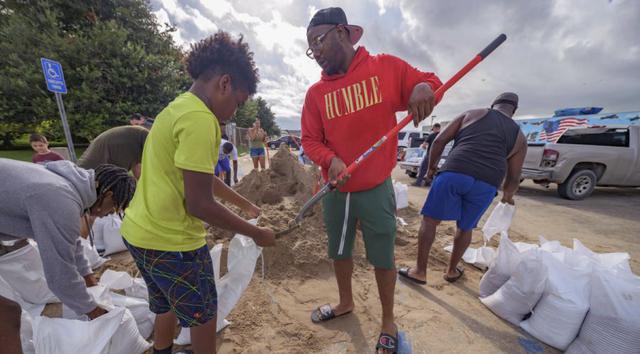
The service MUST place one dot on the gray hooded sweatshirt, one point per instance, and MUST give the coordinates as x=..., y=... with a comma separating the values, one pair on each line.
x=45, y=203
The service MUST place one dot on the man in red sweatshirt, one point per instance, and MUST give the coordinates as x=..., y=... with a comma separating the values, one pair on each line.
x=349, y=109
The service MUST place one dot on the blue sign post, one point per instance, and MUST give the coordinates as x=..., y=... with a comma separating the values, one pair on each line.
x=54, y=77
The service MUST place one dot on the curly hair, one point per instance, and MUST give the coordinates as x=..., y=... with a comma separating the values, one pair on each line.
x=117, y=180
x=220, y=54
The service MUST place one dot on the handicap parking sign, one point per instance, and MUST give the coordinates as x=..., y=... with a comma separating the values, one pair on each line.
x=53, y=75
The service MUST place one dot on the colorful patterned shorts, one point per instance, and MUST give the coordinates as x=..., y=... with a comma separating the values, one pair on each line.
x=181, y=282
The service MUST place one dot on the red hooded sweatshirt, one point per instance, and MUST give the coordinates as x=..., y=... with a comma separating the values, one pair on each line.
x=343, y=115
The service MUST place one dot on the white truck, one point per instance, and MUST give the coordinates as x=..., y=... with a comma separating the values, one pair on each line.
x=583, y=158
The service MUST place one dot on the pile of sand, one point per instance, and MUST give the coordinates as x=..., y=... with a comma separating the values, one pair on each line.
x=281, y=191
x=284, y=178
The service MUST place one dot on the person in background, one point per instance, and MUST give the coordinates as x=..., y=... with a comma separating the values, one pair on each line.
x=489, y=148
x=42, y=154
x=223, y=167
x=234, y=160
x=435, y=130
x=140, y=120
x=45, y=203
x=257, y=137
x=121, y=146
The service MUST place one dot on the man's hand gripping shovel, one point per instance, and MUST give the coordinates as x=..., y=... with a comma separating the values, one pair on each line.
x=329, y=186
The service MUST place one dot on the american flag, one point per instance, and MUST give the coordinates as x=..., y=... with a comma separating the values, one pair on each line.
x=553, y=130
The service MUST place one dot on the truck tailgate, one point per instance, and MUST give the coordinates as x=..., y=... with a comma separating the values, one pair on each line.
x=534, y=156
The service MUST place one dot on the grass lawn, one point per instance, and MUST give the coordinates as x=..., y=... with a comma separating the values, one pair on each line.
x=25, y=155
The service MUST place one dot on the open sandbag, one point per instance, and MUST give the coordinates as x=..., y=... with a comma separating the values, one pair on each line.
x=112, y=333
x=134, y=287
x=241, y=262
x=557, y=317
x=613, y=322
x=481, y=257
x=499, y=220
x=22, y=270
x=517, y=297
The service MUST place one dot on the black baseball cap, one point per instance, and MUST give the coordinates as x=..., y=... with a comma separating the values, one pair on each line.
x=336, y=16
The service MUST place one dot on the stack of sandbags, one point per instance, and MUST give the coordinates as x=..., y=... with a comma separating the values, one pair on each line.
x=613, y=322
x=550, y=289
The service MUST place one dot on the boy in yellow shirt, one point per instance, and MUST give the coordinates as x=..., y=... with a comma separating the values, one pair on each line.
x=163, y=226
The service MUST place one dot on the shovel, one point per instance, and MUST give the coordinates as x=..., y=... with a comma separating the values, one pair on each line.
x=328, y=187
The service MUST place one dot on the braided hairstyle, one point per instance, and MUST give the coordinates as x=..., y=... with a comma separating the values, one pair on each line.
x=117, y=180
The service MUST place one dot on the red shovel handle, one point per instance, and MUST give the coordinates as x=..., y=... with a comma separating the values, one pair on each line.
x=438, y=95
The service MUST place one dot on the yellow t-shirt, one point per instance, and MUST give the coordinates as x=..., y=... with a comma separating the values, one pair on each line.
x=185, y=136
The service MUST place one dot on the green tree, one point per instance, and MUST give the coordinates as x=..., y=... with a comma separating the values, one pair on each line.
x=116, y=62
x=257, y=108
x=267, y=118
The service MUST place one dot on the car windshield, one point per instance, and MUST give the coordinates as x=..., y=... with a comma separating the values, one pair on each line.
x=401, y=135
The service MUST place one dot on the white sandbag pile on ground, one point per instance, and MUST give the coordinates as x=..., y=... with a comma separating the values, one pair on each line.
x=517, y=297
x=558, y=315
x=567, y=291
x=613, y=322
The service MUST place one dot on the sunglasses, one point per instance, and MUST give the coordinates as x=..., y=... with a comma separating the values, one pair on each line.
x=316, y=43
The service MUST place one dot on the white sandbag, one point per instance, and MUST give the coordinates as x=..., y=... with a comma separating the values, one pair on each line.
x=499, y=220
x=517, y=297
x=134, y=287
x=22, y=270
x=112, y=333
x=523, y=247
x=500, y=270
x=241, y=263
x=613, y=322
x=481, y=257
x=139, y=310
x=91, y=253
x=401, y=192
x=617, y=262
x=113, y=242
x=96, y=228
x=558, y=316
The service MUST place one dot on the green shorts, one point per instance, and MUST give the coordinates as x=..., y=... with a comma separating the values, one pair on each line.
x=376, y=210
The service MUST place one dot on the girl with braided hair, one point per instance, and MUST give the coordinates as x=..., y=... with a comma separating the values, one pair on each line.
x=46, y=203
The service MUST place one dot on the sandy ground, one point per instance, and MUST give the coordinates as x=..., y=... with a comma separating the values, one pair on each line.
x=273, y=314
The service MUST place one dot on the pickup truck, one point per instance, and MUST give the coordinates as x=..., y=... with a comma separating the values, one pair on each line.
x=585, y=157
x=413, y=158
